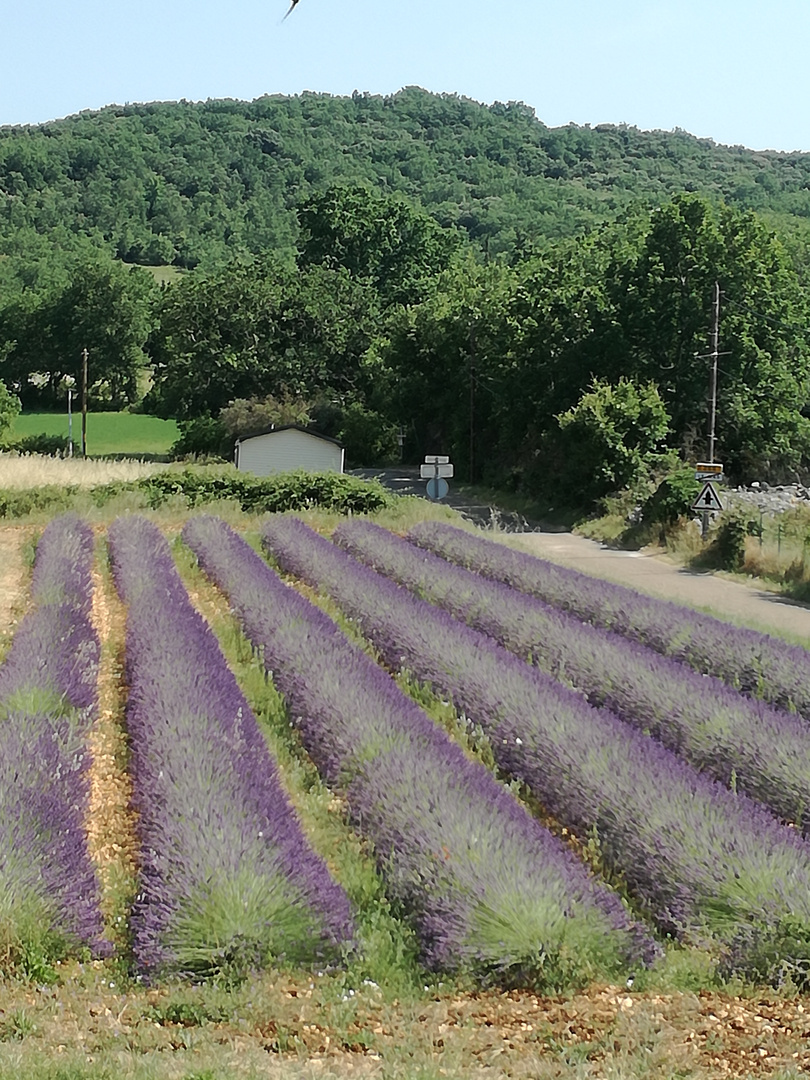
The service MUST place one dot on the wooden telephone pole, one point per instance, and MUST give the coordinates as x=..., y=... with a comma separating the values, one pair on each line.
x=472, y=402
x=712, y=356
x=84, y=402
x=713, y=377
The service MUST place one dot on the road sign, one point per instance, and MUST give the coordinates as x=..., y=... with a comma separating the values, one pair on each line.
x=708, y=470
x=437, y=488
x=428, y=471
x=708, y=501
x=436, y=459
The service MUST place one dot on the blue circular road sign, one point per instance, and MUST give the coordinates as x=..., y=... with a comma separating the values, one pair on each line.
x=437, y=488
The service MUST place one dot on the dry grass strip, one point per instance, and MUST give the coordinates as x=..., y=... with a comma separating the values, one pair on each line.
x=15, y=577
x=35, y=470
x=111, y=822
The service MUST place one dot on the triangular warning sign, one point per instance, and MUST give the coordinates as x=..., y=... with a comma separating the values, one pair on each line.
x=708, y=501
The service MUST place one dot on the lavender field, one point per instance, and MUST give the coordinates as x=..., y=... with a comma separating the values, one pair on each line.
x=702, y=861
x=49, y=897
x=228, y=880
x=364, y=766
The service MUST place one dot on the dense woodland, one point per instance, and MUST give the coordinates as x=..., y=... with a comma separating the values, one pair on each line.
x=536, y=302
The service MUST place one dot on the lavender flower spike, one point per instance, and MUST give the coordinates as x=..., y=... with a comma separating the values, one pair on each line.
x=228, y=881
x=487, y=888
x=764, y=751
x=756, y=663
x=705, y=863
x=49, y=897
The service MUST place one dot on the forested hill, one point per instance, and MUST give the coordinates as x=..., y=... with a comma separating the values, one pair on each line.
x=191, y=183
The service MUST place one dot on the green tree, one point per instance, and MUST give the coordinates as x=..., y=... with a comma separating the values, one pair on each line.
x=255, y=329
x=609, y=440
x=368, y=438
x=658, y=323
x=9, y=409
x=381, y=240
x=106, y=308
x=443, y=364
x=245, y=416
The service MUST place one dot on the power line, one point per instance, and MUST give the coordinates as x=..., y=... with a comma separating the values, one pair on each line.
x=767, y=318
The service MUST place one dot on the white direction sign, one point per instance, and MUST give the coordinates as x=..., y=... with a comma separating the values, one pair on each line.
x=428, y=472
x=708, y=501
x=436, y=459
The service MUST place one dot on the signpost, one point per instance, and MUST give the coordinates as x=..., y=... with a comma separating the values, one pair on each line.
x=708, y=502
x=437, y=488
x=427, y=471
x=708, y=470
x=70, y=421
x=436, y=470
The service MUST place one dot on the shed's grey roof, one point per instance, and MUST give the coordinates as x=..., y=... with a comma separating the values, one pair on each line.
x=290, y=427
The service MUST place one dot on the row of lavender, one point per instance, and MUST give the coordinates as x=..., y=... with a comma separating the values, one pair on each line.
x=755, y=663
x=227, y=879
x=49, y=898
x=763, y=750
x=486, y=886
x=700, y=860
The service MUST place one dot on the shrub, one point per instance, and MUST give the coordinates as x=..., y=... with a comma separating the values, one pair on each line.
x=48, y=445
x=728, y=546
x=203, y=435
x=611, y=438
x=270, y=494
x=673, y=498
x=51, y=497
x=369, y=439
x=196, y=486
x=9, y=408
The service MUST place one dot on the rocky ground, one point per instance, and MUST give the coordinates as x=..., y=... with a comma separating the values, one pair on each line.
x=769, y=500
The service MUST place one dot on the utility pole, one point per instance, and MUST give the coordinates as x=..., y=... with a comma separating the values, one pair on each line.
x=70, y=420
x=472, y=402
x=713, y=355
x=84, y=402
x=713, y=379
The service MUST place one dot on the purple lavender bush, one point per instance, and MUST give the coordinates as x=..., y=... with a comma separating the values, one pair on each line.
x=763, y=751
x=486, y=887
x=756, y=663
x=703, y=862
x=64, y=564
x=228, y=881
x=49, y=897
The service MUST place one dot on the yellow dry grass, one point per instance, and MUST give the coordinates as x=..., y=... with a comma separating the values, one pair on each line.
x=15, y=576
x=35, y=470
x=111, y=822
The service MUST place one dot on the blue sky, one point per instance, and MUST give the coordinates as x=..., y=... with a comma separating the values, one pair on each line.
x=734, y=70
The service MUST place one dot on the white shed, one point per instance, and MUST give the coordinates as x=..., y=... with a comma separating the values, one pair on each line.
x=285, y=448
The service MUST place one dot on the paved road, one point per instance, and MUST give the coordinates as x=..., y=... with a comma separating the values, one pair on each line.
x=653, y=573
x=648, y=571
x=405, y=480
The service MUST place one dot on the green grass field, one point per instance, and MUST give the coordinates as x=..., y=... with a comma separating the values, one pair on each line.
x=107, y=432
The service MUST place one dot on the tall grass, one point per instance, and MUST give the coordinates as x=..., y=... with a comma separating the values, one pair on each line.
x=35, y=470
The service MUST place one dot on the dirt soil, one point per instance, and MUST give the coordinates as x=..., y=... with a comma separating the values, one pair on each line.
x=111, y=821
x=653, y=573
x=277, y=1024
x=14, y=577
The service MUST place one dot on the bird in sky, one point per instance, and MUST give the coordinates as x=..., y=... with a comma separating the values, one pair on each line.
x=292, y=5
